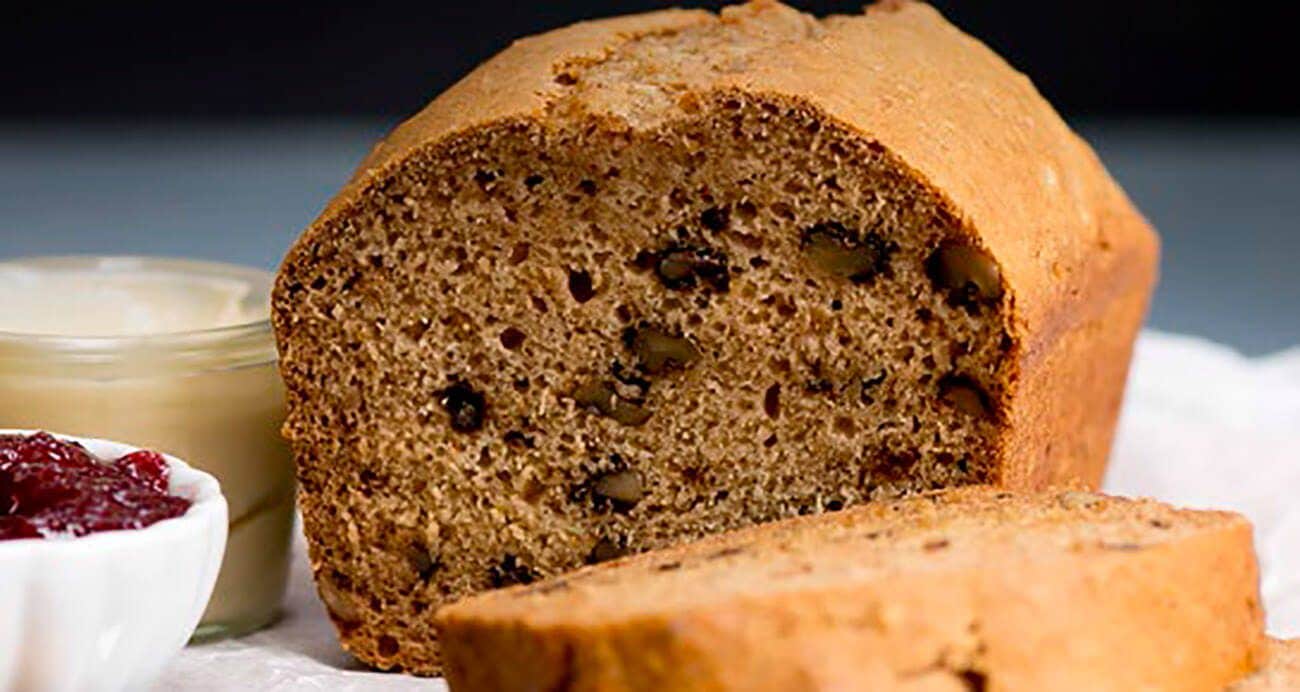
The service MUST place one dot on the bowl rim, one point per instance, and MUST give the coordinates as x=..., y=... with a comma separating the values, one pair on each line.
x=207, y=504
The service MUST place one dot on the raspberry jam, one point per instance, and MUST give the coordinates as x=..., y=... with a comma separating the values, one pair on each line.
x=55, y=489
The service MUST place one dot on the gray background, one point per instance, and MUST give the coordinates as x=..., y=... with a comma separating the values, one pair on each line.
x=1224, y=195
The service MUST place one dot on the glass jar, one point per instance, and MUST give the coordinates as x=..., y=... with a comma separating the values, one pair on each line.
x=210, y=395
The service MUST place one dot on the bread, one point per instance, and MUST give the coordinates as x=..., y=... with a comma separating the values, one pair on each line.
x=1281, y=674
x=970, y=589
x=650, y=278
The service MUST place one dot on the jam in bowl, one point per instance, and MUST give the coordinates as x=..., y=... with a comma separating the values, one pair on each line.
x=108, y=557
x=51, y=488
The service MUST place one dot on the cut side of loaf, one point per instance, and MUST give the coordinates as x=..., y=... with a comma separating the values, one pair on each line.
x=645, y=279
x=1280, y=674
x=970, y=589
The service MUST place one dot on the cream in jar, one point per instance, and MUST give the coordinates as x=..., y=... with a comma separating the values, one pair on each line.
x=171, y=355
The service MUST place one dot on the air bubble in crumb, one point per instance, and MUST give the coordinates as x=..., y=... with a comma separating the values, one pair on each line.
x=772, y=401
x=580, y=286
x=520, y=253
x=512, y=338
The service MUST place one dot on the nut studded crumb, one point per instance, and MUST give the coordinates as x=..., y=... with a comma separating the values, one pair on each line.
x=973, y=588
x=647, y=279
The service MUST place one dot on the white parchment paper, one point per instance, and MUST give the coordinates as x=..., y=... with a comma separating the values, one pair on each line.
x=1202, y=426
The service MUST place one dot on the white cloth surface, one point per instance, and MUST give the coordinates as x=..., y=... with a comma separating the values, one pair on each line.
x=1202, y=426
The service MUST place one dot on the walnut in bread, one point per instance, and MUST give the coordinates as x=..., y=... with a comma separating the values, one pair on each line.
x=967, y=589
x=645, y=279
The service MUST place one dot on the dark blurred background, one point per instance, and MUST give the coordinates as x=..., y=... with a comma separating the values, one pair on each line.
x=1178, y=57
x=218, y=130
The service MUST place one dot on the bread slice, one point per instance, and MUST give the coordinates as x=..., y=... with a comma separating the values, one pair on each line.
x=1281, y=674
x=649, y=278
x=970, y=589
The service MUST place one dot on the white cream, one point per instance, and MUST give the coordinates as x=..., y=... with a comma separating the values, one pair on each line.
x=125, y=349
x=119, y=298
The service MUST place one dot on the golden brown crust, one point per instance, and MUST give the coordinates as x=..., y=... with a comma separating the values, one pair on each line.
x=516, y=84
x=1077, y=258
x=966, y=589
x=1281, y=674
x=1077, y=261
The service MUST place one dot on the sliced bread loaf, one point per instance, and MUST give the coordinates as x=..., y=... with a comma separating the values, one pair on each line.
x=644, y=279
x=1281, y=674
x=969, y=589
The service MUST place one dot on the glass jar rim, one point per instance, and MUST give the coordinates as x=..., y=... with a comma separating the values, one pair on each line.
x=225, y=346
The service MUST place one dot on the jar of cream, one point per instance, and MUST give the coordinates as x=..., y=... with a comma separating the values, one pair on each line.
x=172, y=355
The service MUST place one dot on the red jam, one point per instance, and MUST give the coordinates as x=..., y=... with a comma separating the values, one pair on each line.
x=50, y=488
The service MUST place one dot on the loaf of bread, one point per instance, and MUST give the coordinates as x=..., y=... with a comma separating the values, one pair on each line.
x=1281, y=674
x=649, y=278
x=969, y=589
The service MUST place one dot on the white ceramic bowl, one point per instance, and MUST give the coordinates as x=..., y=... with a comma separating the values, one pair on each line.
x=107, y=611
